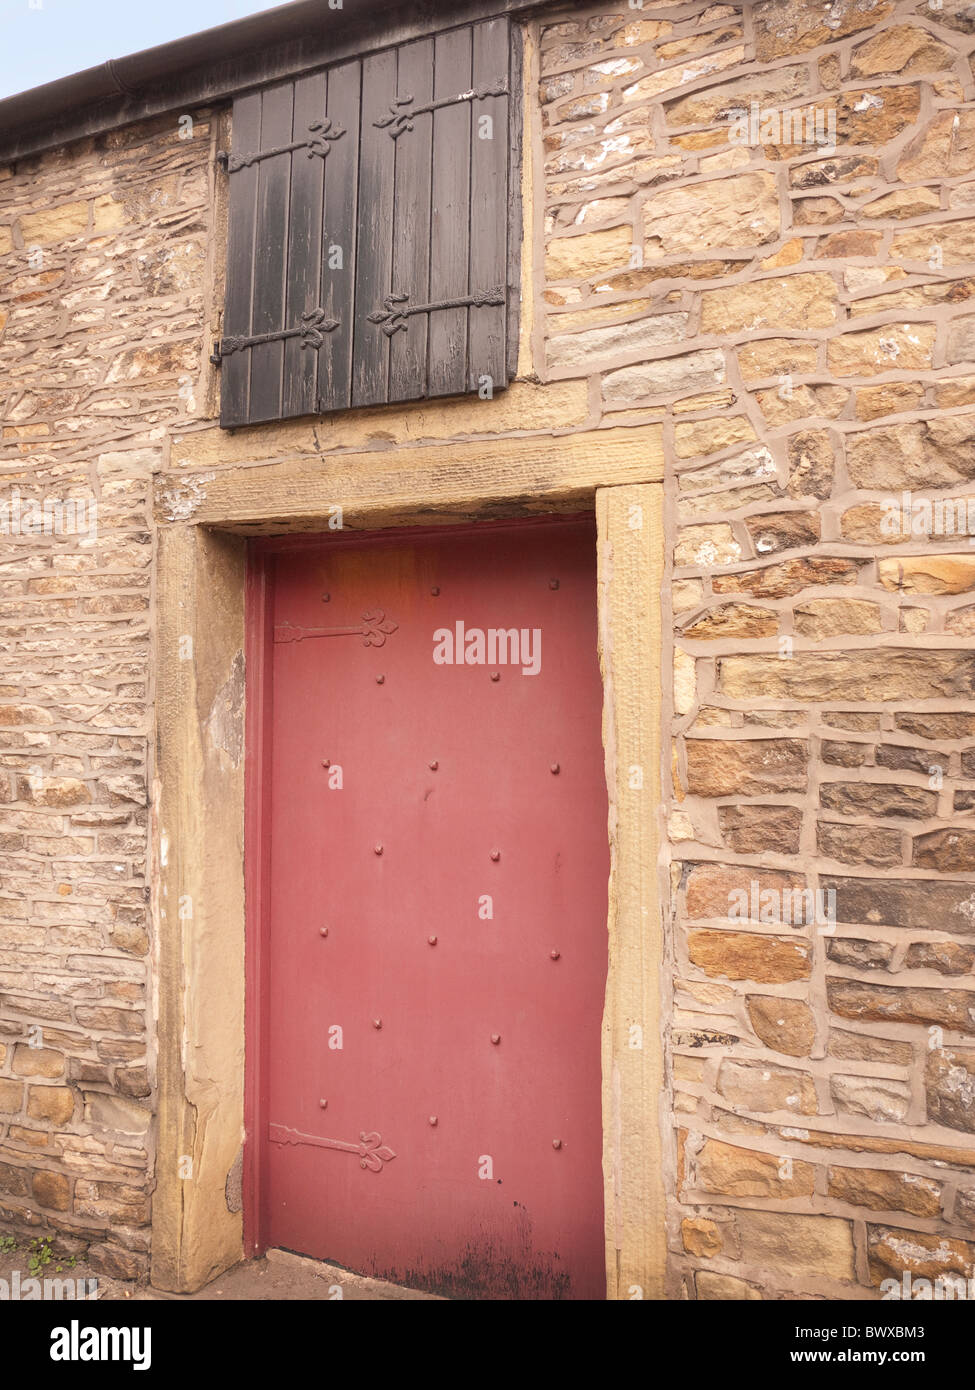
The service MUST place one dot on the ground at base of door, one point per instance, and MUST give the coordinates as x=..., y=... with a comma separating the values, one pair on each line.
x=283, y=1275
x=280, y=1275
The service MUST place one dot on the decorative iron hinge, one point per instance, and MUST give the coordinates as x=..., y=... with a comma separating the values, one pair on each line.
x=372, y=1152
x=402, y=111
x=314, y=326
x=320, y=133
x=393, y=315
x=375, y=628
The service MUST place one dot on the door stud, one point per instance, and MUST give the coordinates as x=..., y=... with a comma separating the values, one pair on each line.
x=553, y=583
x=555, y=954
x=556, y=1143
x=434, y=765
x=495, y=675
x=495, y=855
x=377, y=849
x=380, y=680
x=432, y=940
x=433, y=1119
x=323, y=931
x=323, y=1104
x=555, y=769
x=495, y=1038
x=377, y=1023
x=435, y=590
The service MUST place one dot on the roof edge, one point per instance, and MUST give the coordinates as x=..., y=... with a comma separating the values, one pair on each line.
x=218, y=63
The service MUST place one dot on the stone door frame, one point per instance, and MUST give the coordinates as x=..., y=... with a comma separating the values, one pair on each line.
x=200, y=787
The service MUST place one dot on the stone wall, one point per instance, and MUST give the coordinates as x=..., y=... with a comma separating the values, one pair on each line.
x=799, y=321
x=104, y=286
x=790, y=324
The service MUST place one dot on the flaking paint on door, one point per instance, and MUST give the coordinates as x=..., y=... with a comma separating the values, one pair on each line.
x=435, y=957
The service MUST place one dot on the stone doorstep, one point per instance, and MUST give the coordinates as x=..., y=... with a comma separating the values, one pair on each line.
x=281, y=1274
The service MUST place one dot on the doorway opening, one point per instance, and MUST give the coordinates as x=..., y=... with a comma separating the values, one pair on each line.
x=427, y=927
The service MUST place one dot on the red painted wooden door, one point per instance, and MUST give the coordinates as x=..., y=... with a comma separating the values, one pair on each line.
x=436, y=951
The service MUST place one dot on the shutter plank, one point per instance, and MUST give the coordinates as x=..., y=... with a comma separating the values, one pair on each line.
x=370, y=357
x=235, y=370
x=450, y=241
x=411, y=225
x=274, y=178
x=489, y=202
x=341, y=198
x=304, y=249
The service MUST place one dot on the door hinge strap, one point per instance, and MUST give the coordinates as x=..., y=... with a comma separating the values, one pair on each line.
x=375, y=628
x=314, y=325
x=402, y=111
x=371, y=1150
x=397, y=308
x=320, y=133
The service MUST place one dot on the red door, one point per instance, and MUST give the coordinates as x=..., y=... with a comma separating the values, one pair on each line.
x=435, y=945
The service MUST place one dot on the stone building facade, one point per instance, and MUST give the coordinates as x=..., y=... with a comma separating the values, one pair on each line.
x=747, y=266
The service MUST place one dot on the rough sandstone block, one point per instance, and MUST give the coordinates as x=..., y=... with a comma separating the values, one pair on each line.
x=716, y=890
x=742, y=210
x=756, y=829
x=643, y=334
x=859, y=999
x=745, y=767
x=877, y=675
x=749, y=956
x=700, y=1237
x=880, y=1099
x=882, y=1190
x=792, y=26
x=734, y=620
x=895, y=347
x=735, y=1172
x=949, y=851
x=946, y=957
x=763, y=1089
x=878, y=799
x=41, y=1061
x=925, y=905
x=52, y=1190
x=799, y=1246
x=714, y=1288
x=923, y=454
x=687, y=374
x=859, y=844
x=785, y=1025
x=928, y=574
x=949, y=1079
x=578, y=257
x=788, y=577
x=52, y=1103
x=892, y=1253
x=805, y=300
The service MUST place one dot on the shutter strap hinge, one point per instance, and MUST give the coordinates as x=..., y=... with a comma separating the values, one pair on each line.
x=320, y=133
x=314, y=326
x=402, y=111
x=397, y=308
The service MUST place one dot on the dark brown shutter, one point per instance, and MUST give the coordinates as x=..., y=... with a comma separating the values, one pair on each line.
x=368, y=252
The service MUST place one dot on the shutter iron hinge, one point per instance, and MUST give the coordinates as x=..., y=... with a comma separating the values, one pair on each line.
x=320, y=133
x=402, y=111
x=393, y=315
x=314, y=326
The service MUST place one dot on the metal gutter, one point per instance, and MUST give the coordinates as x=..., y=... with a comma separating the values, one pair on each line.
x=214, y=65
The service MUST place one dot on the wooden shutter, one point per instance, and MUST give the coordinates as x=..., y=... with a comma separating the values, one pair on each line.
x=368, y=254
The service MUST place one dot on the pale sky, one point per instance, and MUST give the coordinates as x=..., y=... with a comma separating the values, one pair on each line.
x=41, y=40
